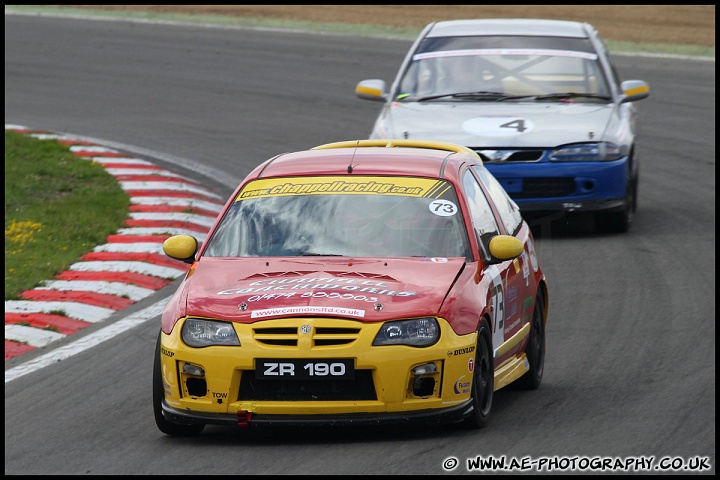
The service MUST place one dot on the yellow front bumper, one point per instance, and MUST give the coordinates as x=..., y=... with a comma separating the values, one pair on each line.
x=384, y=380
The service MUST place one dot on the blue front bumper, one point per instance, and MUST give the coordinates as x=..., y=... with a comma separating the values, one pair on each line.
x=564, y=186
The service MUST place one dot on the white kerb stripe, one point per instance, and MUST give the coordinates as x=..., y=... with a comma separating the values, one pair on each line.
x=122, y=161
x=200, y=233
x=86, y=342
x=145, y=247
x=178, y=202
x=92, y=148
x=76, y=310
x=118, y=289
x=120, y=266
x=143, y=171
x=205, y=220
x=35, y=337
x=53, y=136
x=174, y=186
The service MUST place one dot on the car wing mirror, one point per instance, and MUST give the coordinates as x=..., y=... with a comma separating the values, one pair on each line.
x=181, y=247
x=374, y=89
x=634, y=90
x=504, y=247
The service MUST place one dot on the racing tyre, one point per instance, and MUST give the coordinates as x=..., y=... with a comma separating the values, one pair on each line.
x=535, y=350
x=620, y=221
x=166, y=427
x=483, y=386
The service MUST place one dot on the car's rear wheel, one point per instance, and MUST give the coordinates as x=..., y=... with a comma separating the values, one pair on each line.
x=535, y=350
x=165, y=426
x=483, y=385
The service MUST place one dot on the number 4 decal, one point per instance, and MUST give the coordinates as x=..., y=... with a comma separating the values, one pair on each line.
x=518, y=125
x=498, y=125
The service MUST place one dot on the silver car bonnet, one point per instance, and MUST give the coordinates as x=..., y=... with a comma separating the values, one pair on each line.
x=495, y=124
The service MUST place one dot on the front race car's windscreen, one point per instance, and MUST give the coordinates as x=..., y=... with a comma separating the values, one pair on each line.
x=457, y=67
x=344, y=216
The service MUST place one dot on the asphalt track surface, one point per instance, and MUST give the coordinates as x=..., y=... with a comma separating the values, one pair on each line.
x=631, y=336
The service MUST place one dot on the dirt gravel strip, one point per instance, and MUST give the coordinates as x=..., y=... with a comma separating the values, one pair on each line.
x=129, y=267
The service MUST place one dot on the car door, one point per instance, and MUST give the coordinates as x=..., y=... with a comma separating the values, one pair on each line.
x=511, y=285
x=485, y=227
x=519, y=287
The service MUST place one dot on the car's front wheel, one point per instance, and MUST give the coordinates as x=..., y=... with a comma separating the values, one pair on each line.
x=619, y=221
x=483, y=385
x=165, y=426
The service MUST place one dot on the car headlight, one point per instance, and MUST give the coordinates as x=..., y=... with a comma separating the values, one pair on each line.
x=204, y=333
x=419, y=332
x=587, y=152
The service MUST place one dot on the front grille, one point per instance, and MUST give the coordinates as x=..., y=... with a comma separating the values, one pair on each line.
x=546, y=187
x=503, y=156
x=322, y=336
x=361, y=388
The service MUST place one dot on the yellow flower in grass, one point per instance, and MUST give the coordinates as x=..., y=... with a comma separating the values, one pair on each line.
x=20, y=233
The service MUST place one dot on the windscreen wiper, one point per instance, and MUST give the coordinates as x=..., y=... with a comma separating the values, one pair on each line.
x=566, y=95
x=482, y=95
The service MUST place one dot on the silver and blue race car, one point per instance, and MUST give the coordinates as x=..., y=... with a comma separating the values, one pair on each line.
x=540, y=101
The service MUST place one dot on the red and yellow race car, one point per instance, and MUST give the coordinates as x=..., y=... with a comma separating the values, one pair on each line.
x=358, y=282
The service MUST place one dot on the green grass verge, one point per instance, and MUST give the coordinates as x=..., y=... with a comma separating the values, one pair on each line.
x=58, y=207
